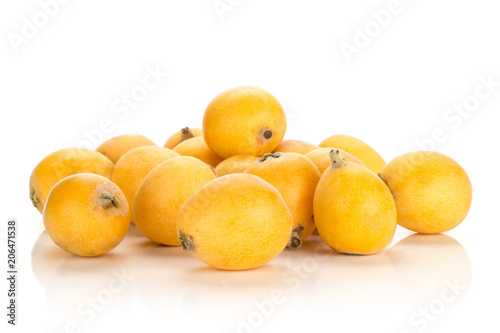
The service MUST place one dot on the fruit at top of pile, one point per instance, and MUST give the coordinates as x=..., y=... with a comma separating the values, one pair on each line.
x=295, y=146
x=196, y=147
x=244, y=121
x=295, y=177
x=235, y=222
x=134, y=166
x=433, y=193
x=356, y=147
x=86, y=214
x=182, y=135
x=63, y=163
x=321, y=158
x=353, y=209
x=235, y=164
x=162, y=194
x=115, y=147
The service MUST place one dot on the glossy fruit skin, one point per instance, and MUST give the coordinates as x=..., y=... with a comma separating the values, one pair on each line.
x=196, y=147
x=295, y=146
x=295, y=177
x=321, y=158
x=433, y=193
x=162, y=194
x=235, y=222
x=244, y=121
x=184, y=134
x=80, y=217
x=134, y=166
x=235, y=164
x=356, y=147
x=115, y=147
x=63, y=163
x=354, y=210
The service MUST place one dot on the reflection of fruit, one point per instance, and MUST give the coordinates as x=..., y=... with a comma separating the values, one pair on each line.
x=353, y=208
x=86, y=214
x=235, y=164
x=84, y=292
x=182, y=135
x=63, y=163
x=356, y=147
x=134, y=166
x=196, y=147
x=364, y=286
x=235, y=222
x=295, y=177
x=44, y=257
x=321, y=158
x=162, y=194
x=244, y=121
x=295, y=146
x=433, y=193
x=115, y=147
x=431, y=269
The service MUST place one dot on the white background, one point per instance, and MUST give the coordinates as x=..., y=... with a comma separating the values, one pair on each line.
x=61, y=82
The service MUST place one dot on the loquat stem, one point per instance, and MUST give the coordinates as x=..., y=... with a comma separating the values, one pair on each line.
x=336, y=158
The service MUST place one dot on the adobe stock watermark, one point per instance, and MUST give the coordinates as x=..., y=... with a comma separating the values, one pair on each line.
x=379, y=20
x=122, y=106
x=88, y=310
x=454, y=116
x=31, y=26
x=222, y=7
x=425, y=315
x=292, y=280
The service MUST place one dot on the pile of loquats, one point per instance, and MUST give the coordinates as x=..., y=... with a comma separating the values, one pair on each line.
x=235, y=195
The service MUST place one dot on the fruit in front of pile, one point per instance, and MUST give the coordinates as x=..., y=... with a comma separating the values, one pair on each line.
x=86, y=214
x=244, y=121
x=235, y=222
x=295, y=177
x=353, y=209
x=63, y=163
x=432, y=192
x=356, y=147
x=162, y=194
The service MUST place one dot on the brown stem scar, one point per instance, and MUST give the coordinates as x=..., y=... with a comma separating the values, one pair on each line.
x=108, y=200
x=34, y=199
x=295, y=238
x=186, y=242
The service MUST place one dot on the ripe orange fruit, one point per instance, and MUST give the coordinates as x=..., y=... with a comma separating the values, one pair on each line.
x=86, y=214
x=63, y=163
x=295, y=177
x=244, y=121
x=235, y=222
x=356, y=147
x=235, y=164
x=433, y=193
x=295, y=146
x=182, y=135
x=162, y=194
x=196, y=147
x=115, y=147
x=353, y=209
x=134, y=166
x=321, y=158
